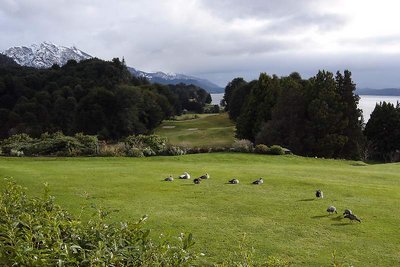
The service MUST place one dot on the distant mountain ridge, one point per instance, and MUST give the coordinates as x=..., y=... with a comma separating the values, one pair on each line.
x=176, y=78
x=384, y=91
x=47, y=54
x=44, y=55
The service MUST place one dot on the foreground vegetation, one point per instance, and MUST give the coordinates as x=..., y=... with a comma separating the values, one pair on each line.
x=279, y=218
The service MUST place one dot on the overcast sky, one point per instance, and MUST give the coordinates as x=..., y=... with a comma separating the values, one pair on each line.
x=220, y=39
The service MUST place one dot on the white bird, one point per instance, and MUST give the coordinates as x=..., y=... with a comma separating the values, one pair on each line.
x=185, y=175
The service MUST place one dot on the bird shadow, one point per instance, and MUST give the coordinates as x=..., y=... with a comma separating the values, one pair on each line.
x=337, y=218
x=307, y=199
x=319, y=216
x=341, y=224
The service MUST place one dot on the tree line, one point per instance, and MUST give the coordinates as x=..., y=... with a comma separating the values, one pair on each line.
x=311, y=117
x=93, y=96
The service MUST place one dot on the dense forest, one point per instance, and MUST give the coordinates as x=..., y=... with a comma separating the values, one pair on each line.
x=93, y=97
x=314, y=117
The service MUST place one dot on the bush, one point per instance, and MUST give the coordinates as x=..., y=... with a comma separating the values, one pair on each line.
x=261, y=149
x=276, y=150
x=135, y=152
x=18, y=142
x=37, y=232
x=243, y=145
x=175, y=151
x=111, y=150
x=150, y=145
x=50, y=144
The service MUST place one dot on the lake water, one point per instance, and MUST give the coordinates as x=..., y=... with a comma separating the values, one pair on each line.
x=367, y=102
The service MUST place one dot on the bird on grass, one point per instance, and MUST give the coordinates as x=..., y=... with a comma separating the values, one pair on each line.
x=233, y=181
x=319, y=194
x=347, y=211
x=197, y=181
x=259, y=181
x=352, y=217
x=331, y=210
x=185, y=175
x=169, y=179
x=205, y=176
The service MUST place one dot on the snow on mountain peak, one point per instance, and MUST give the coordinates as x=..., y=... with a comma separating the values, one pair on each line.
x=44, y=55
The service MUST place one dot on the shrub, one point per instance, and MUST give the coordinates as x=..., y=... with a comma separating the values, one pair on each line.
x=111, y=150
x=261, y=149
x=276, y=150
x=50, y=144
x=16, y=153
x=242, y=145
x=134, y=152
x=18, y=142
x=175, y=151
x=149, y=144
x=37, y=232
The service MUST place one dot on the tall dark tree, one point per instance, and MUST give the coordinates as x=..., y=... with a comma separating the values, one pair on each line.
x=383, y=131
x=287, y=126
x=257, y=108
x=229, y=89
x=352, y=115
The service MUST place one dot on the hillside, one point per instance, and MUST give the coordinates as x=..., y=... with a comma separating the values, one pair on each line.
x=280, y=218
x=207, y=130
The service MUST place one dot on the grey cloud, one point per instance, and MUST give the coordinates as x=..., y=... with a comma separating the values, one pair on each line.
x=196, y=36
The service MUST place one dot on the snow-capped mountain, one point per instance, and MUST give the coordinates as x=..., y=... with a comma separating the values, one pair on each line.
x=175, y=78
x=44, y=55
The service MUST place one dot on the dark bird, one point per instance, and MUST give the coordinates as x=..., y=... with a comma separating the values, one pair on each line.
x=259, y=181
x=319, y=194
x=205, y=176
x=233, y=181
x=346, y=212
x=352, y=217
x=331, y=210
x=169, y=179
x=197, y=181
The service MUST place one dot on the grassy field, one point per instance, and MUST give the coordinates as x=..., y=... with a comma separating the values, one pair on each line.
x=216, y=129
x=280, y=217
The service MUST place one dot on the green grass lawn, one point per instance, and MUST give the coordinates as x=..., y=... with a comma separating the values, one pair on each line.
x=280, y=218
x=208, y=130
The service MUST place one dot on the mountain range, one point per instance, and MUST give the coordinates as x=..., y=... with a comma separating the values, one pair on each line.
x=47, y=54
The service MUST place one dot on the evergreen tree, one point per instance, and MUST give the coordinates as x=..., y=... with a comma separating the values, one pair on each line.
x=383, y=131
x=351, y=115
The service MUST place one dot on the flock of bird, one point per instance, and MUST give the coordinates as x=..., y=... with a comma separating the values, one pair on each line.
x=206, y=176
x=319, y=194
x=348, y=214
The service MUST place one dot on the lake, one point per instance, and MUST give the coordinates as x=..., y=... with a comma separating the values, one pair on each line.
x=367, y=102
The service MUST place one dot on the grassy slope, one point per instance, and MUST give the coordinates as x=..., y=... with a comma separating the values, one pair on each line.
x=216, y=129
x=280, y=218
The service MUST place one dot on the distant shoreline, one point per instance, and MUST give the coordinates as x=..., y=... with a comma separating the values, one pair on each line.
x=379, y=92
